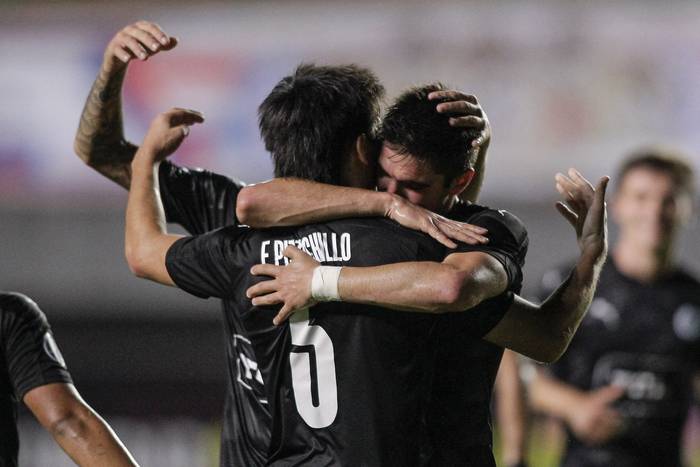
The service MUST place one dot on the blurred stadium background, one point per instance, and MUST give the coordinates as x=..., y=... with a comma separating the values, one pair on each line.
x=564, y=83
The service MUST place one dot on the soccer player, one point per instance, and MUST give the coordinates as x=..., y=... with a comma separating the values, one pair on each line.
x=625, y=385
x=32, y=370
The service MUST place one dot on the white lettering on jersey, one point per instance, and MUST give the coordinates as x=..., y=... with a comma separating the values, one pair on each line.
x=322, y=247
x=639, y=384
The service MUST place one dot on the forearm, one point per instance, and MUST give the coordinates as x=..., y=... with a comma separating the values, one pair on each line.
x=564, y=309
x=89, y=441
x=552, y=397
x=543, y=332
x=411, y=286
x=100, y=141
x=288, y=201
x=146, y=239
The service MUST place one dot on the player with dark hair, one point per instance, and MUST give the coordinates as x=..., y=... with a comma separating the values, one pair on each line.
x=625, y=386
x=32, y=370
x=301, y=100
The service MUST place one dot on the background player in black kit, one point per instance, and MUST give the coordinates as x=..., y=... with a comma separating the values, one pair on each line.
x=32, y=370
x=625, y=386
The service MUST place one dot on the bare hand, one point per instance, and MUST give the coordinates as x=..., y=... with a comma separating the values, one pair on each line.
x=585, y=209
x=166, y=133
x=442, y=229
x=141, y=40
x=290, y=285
x=593, y=420
x=466, y=112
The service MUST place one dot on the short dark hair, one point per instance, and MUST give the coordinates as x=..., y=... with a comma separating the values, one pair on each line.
x=312, y=117
x=661, y=160
x=416, y=128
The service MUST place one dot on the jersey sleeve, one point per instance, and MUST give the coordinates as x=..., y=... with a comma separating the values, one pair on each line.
x=197, y=199
x=208, y=265
x=32, y=356
x=508, y=242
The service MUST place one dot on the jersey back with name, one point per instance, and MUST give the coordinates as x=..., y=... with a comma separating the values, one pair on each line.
x=345, y=384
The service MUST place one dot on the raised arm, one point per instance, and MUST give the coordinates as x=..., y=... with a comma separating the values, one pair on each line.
x=100, y=141
x=78, y=429
x=146, y=238
x=544, y=332
x=468, y=113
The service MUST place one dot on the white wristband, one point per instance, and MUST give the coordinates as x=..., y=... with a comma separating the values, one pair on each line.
x=324, y=283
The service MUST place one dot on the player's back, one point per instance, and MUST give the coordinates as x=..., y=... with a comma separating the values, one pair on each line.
x=346, y=384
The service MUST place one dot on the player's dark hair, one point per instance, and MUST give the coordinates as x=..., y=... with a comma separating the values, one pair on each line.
x=312, y=117
x=415, y=128
x=661, y=160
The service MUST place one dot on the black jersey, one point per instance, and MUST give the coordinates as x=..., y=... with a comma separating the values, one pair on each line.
x=346, y=384
x=29, y=358
x=646, y=338
x=201, y=201
x=459, y=416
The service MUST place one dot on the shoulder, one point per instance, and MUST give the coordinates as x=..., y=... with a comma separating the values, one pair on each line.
x=500, y=219
x=18, y=306
x=503, y=219
x=174, y=173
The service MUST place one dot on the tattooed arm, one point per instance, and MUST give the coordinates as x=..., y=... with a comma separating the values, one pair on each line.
x=100, y=141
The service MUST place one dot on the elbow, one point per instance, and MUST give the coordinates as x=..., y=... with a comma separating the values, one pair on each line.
x=69, y=424
x=546, y=356
x=84, y=153
x=553, y=350
x=455, y=293
x=136, y=259
x=245, y=204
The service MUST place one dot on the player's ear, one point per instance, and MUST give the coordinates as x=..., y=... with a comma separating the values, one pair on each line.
x=363, y=147
x=459, y=184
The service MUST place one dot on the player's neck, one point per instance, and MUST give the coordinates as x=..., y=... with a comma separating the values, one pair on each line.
x=642, y=264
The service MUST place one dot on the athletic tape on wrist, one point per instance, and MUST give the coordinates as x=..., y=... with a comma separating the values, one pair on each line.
x=324, y=283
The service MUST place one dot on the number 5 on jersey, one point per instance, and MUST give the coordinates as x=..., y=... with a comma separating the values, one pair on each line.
x=313, y=371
